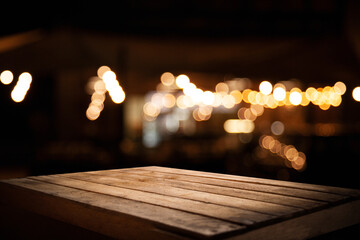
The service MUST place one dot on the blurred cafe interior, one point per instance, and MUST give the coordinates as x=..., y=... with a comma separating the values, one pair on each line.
x=257, y=88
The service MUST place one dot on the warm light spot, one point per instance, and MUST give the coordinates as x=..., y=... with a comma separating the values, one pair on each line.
x=197, y=96
x=291, y=153
x=199, y=116
x=182, y=80
x=228, y=101
x=189, y=89
x=257, y=109
x=98, y=97
x=101, y=70
x=340, y=88
x=180, y=102
x=25, y=78
x=118, y=96
x=92, y=114
x=324, y=106
x=304, y=100
x=245, y=94
x=294, y=158
x=270, y=102
x=188, y=101
x=222, y=88
x=279, y=93
x=208, y=98
x=265, y=87
x=336, y=101
x=275, y=147
x=239, y=126
x=277, y=128
x=237, y=95
x=6, y=77
x=205, y=110
x=22, y=86
x=112, y=85
x=260, y=98
x=17, y=96
x=109, y=76
x=266, y=141
x=249, y=115
x=168, y=100
x=311, y=94
x=217, y=100
x=241, y=113
x=151, y=109
x=99, y=86
x=167, y=79
x=356, y=94
x=252, y=97
x=295, y=96
x=157, y=99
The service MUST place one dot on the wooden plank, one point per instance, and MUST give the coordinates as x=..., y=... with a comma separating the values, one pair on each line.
x=287, y=191
x=225, y=191
x=313, y=187
x=112, y=216
x=231, y=214
x=179, y=204
x=310, y=225
x=162, y=188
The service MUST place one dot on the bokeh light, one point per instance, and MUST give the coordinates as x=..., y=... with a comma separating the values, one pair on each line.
x=356, y=94
x=295, y=96
x=279, y=93
x=277, y=128
x=182, y=80
x=21, y=88
x=6, y=77
x=265, y=87
x=222, y=88
x=239, y=126
x=167, y=79
x=101, y=70
x=340, y=88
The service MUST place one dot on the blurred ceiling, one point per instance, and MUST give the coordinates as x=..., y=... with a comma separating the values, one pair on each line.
x=173, y=18
x=279, y=39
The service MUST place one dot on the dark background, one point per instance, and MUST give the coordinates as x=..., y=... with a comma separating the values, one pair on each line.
x=63, y=43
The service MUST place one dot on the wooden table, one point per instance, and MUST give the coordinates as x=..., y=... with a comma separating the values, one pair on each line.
x=161, y=203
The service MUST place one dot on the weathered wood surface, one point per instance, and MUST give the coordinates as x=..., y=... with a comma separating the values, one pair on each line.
x=157, y=202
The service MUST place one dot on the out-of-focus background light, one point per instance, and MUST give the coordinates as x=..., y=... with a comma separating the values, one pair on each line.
x=168, y=84
x=98, y=86
x=265, y=87
x=356, y=94
x=21, y=88
x=6, y=77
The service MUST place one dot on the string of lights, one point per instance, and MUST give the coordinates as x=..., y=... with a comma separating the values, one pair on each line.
x=21, y=87
x=97, y=86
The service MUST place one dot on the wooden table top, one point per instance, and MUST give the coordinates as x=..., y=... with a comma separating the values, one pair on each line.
x=158, y=202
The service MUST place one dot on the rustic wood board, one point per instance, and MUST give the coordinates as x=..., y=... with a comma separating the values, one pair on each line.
x=158, y=202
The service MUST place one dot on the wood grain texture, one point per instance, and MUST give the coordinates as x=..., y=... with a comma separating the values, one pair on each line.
x=167, y=203
x=160, y=188
x=277, y=189
x=226, y=213
x=109, y=215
